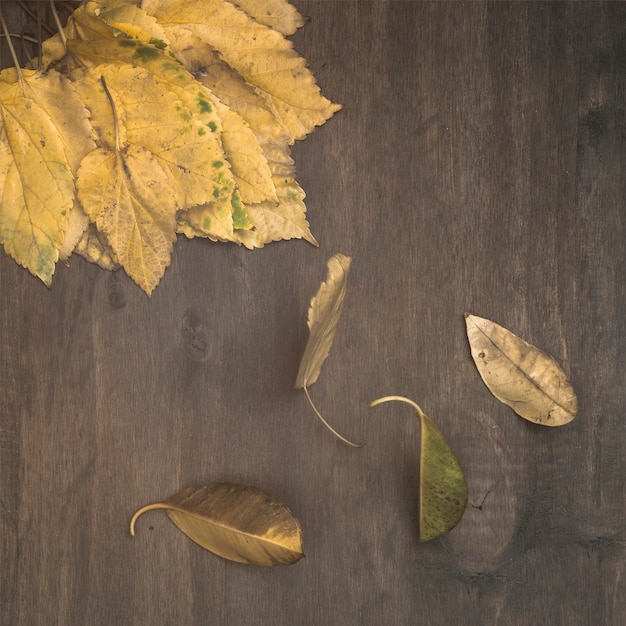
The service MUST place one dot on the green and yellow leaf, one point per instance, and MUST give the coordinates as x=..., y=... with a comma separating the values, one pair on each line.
x=442, y=484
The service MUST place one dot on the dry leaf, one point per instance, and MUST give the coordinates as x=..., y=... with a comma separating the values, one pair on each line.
x=520, y=375
x=237, y=522
x=324, y=314
x=442, y=485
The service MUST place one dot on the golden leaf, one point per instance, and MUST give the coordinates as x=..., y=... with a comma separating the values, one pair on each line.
x=237, y=522
x=128, y=197
x=520, y=375
x=43, y=134
x=442, y=484
x=261, y=55
x=324, y=314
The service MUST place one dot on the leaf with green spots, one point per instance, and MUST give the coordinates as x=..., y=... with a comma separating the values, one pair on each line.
x=261, y=55
x=151, y=115
x=442, y=484
x=44, y=133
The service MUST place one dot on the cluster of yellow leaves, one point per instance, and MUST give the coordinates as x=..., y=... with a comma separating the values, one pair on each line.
x=151, y=118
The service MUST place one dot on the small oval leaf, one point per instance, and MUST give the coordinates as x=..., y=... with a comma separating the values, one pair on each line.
x=237, y=522
x=520, y=375
x=442, y=487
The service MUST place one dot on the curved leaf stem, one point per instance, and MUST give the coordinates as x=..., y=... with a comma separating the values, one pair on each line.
x=332, y=430
x=148, y=507
x=378, y=401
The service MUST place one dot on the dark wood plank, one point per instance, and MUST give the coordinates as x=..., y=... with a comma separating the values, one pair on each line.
x=478, y=164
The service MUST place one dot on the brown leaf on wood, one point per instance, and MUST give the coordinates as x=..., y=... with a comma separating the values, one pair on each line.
x=520, y=375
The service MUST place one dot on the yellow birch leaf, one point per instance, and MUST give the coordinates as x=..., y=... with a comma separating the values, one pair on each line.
x=128, y=197
x=210, y=220
x=36, y=161
x=213, y=182
x=85, y=23
x=206, y=65
x=151, y=115
x=249, y=167
x=520, y=375
x=261, y=55
x=272, y=221
x=442, y=484
x=324, y=314
x=277, y=14
x=237, y=522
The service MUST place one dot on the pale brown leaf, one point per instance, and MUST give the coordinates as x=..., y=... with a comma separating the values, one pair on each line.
x=520, y=375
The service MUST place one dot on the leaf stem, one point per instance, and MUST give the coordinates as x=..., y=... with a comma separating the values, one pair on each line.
x=7, y=35
x=115, y=122
x=59, y=26
x=378, y=401
x=141, y=511
x=332, y=430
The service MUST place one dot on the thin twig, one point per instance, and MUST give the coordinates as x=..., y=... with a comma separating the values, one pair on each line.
x=10, y=44
x=58, y=23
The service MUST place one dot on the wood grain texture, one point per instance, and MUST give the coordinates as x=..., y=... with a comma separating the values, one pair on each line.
x=478, y=165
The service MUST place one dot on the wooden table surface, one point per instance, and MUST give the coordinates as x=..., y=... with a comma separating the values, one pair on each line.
x=478, y=165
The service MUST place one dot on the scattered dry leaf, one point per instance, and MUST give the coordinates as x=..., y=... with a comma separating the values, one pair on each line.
x=520, y=375
x=324, y=314
x=237, y=522
x=442, y=485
